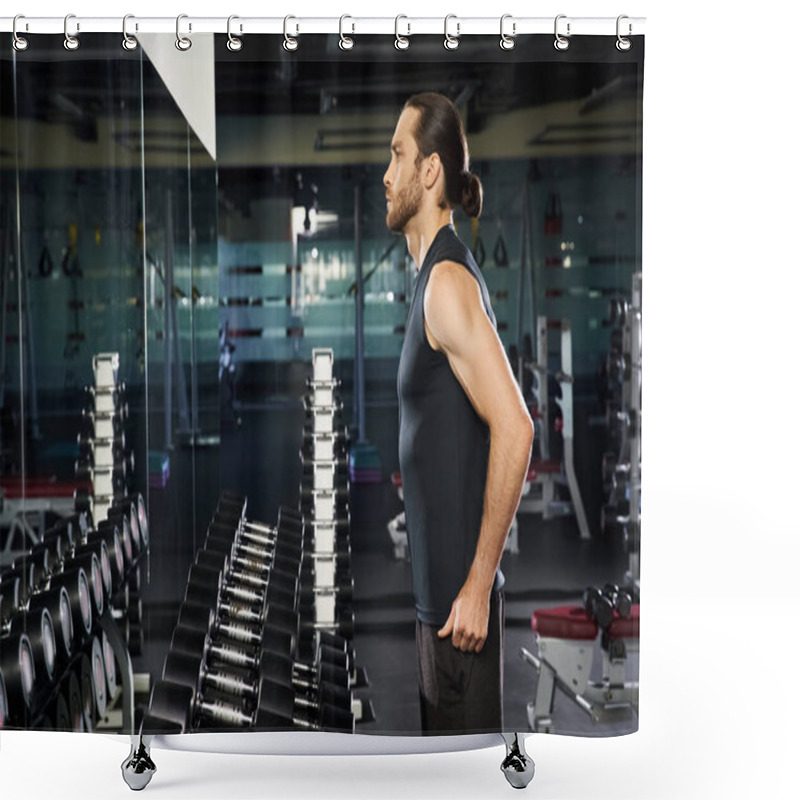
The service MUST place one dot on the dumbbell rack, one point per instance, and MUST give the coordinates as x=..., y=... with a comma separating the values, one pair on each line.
x=246, y=652
x=103, y=463
x=61, y=650
x=325, y=485
x=324, y=492
x=106, y=465
x=622, y=468
x=548, y=473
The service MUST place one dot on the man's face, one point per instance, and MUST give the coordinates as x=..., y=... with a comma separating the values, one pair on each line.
x=402, y=178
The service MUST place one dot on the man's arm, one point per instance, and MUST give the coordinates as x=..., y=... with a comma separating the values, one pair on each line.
x=457, y=324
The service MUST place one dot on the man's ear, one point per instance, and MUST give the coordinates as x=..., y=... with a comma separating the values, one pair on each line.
x=432, y=170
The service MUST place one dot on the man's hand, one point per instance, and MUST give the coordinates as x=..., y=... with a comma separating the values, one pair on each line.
x=469, y=619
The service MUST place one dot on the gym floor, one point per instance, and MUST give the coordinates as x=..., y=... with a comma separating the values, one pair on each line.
x=553, y=567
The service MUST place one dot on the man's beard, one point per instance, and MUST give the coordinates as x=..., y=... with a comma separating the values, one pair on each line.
x=405, y=204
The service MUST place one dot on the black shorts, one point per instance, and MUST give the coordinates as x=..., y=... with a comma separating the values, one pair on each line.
x=462, y=692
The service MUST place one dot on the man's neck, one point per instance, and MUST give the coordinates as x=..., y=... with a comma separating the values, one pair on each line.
x=422, y=231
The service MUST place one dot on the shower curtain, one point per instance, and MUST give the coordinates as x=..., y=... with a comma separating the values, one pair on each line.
x=191, y=224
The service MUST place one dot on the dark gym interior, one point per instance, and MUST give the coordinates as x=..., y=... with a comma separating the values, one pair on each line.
x=215, y=264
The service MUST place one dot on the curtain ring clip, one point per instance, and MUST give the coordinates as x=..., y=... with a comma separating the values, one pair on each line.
x=234, y=44
x=345, y=42
x=70, y=42
x=623, y=44
x=451, y=42
x=401, y=42
x=128, y=42
x=289, y=43
x=507, y=42
x=20, y=42
x=561, y=42
x=182, y=42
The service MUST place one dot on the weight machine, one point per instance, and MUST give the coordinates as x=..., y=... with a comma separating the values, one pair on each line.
x=539, y=495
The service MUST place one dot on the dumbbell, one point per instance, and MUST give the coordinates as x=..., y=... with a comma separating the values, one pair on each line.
x=93, y=679
x=260, y=597
x=76, y=584
x=20, y=576
x=129, y=510
x=599, y=607
x=329, y=447
x=110, y=534
x=90, y=563
x=18, y=677
x=251, y=553
x=318, y=574
x=38, y=627
x=136, y=501
x=330, y=666
x=191, y=651
x=56, y=602
x=9, y=598
x=257, y=633
x=100, y=424
x=276, y=582
x=620, y=599
x=324, y=503
x=59, y=712
x=205, y=587
x=288, y=525
x=614, y=516
x=38, y=563
x=274, y=707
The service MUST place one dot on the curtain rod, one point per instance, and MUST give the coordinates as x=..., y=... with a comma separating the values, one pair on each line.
x=452, y=26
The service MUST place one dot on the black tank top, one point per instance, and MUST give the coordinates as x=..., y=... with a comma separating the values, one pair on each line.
x=444, y=451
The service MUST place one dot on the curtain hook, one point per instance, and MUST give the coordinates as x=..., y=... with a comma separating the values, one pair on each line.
x=128, y=42
x=507, y=42
x=20, y=42
x=401, y=42
x=70, y=42
x=561, y=42
x=345, y=42
x=289, y=43
x=623, y=44
x=182, y=42
x=451, y=42
x=234, y=44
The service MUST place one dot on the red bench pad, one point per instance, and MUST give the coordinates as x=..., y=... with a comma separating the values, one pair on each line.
x=564, y=622
x=546, y=467
x=38, y=488
x=625, y=628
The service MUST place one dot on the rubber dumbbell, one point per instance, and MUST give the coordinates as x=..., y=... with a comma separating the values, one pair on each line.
x=620, y=599
x=90, y=563
x=262, y=635
x=328, y=668
x=56, y=601
x=76, y=584
x=40, y=631
x=19, y=677
x=59, y=711
x=255, y=532
x=613, y=517
x=274, y=708
x=21, y=576
x=194, y=653
x=127, y=513
x=256, y=559
x=111, y=535
x=598, y=607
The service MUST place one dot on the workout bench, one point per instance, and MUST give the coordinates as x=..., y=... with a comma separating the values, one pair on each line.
x=565, y=639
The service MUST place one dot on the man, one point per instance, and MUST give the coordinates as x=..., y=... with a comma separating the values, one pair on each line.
x=465, y=433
